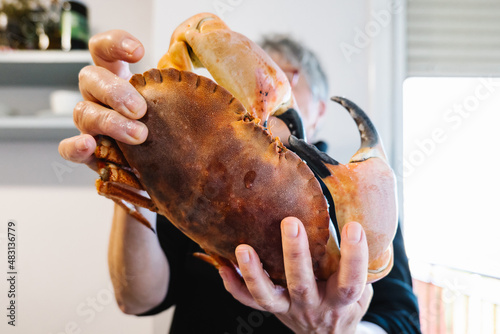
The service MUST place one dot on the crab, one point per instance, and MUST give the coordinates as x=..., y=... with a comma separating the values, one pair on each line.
x=211, y=166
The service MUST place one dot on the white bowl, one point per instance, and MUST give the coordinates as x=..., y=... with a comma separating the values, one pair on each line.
x=64, y=101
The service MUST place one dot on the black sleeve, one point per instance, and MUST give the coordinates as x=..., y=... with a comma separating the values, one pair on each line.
x=394, y=306
x=175, y=245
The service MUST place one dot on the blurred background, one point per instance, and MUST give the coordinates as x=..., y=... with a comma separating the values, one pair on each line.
x=425, y=71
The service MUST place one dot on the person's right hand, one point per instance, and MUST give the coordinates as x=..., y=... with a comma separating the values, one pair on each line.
x=111, y=105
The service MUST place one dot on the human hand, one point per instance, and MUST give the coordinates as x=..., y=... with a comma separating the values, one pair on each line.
x=307, y=306
x=111, y=104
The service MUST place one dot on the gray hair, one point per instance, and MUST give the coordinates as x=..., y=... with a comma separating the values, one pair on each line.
x=300, y=56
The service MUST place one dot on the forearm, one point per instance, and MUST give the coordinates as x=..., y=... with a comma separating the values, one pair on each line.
x=138, y=267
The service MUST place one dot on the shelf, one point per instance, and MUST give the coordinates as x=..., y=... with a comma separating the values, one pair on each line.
x=28, y=128
x=42, y=68
x=26, y=80
x=34, y=57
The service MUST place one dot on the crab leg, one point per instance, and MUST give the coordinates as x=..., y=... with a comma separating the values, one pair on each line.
x=117, y=193
x=237, y=64
x=117, y=183
x=363, y=190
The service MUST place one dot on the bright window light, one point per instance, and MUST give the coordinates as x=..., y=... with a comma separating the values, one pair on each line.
x=452, y=172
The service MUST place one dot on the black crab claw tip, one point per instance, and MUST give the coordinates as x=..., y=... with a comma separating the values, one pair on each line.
x=315, y=159
x=367, y=131
x=294, y=123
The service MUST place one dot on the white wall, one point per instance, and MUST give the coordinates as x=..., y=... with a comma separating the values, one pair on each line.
x=323, y=26
x=128, y=15
x=63, y=227
x=64, y=224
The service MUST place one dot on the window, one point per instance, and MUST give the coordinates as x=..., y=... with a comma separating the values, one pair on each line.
x=453, y=37
x=451, y=174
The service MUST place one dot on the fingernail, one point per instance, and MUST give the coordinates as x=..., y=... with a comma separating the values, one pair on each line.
x=291, y=228
x=135, y=103
x=130, y=45
x=243, y=256
x=354, y=233
x=82, y=144
x=135, y=129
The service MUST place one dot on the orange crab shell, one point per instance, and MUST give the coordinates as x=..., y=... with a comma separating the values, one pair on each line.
x=219, y=176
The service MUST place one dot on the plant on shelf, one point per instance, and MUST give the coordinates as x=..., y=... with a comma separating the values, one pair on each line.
x=30, y=24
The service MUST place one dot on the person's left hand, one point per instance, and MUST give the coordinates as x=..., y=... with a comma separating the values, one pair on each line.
x=307, y=306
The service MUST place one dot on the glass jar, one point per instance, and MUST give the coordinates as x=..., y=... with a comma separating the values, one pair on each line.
x=74, y=26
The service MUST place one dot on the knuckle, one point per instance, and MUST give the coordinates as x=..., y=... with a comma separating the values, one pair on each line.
x=98, y=40
x=108, y=123
x=93, y=41
x=107, y=89
x=349, y=294
x=250, y=280
x=63, y=150
x=107, y=45
x=267, y=304
x=84, y=72
x=81, y=107
x=300, y=291
x=79, y=111
x=113, y=93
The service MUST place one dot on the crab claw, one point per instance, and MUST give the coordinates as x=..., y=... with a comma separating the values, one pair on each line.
x=294, y=123
x=364, y=190
x=371, y=145
x=237, y=64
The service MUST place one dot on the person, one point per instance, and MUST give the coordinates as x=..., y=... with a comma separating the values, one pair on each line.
x=151, y=272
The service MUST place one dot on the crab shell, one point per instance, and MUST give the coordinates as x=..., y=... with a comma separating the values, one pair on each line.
x=219, y=176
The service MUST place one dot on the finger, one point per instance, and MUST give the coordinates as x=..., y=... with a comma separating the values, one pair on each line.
x=300, y=278
x=235, y=286
x=279, y=129
x=263, y=291
x=366, y=298
x=114, y=49
x=351, y=277
x=79, y=149
x=101, y=86
x=94, y=119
